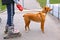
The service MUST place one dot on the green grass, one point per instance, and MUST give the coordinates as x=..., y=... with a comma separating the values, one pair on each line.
x=0, y=4
x=2, y=7
x=54, y=1
x=43, y=2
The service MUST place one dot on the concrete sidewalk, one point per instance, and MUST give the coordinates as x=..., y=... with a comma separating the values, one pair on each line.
x=31, y=4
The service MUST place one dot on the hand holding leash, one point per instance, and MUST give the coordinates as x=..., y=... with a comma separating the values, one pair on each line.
x=19, y=7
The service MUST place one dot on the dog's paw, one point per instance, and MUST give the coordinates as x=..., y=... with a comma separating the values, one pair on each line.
x=27, y=31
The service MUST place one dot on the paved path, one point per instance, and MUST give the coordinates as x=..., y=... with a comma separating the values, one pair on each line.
x=31, y=4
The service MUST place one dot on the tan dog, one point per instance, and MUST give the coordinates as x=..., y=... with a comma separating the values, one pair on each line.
x=38, y=17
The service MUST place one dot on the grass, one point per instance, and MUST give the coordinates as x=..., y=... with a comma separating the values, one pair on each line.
x=2, y=7
x=43, y=2
x=54, y=1
x=0, y=4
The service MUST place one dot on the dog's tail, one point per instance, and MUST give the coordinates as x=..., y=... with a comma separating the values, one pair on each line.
x=23, y=15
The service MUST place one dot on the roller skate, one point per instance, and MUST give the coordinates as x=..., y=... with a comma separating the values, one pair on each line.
x=12, y=33
x=6, y=28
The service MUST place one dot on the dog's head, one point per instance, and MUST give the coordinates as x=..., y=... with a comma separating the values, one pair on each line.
x=46, y=9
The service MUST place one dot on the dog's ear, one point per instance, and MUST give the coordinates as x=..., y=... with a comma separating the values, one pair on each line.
x=45, y=7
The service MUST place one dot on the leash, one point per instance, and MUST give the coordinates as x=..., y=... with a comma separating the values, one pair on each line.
x=35, y=10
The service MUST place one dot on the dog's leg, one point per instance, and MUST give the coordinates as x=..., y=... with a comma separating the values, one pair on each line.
x=28, y=25
x=27, y=22
x=42, y=26
x=25, y=28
